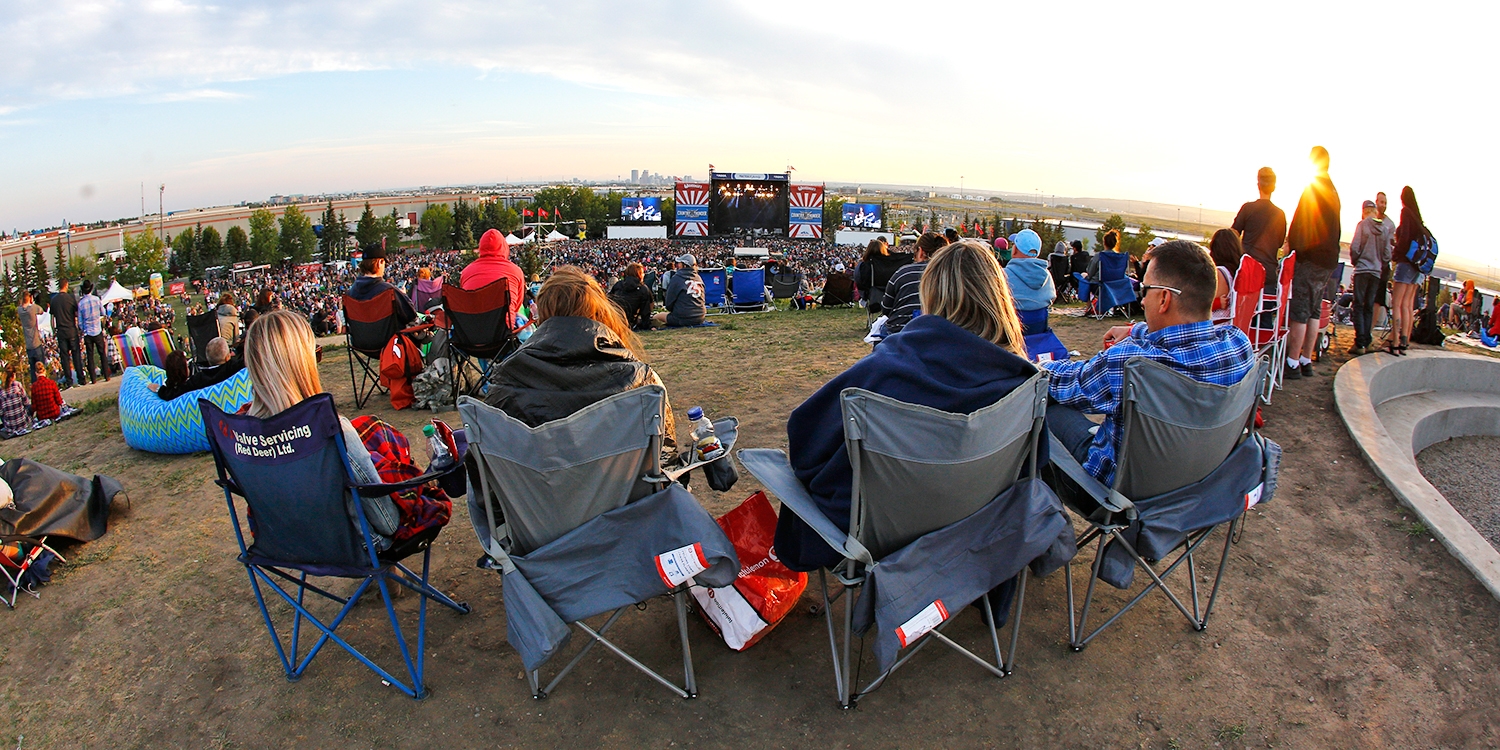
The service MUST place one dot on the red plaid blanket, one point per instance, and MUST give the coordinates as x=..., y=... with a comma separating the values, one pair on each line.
x=421, y=509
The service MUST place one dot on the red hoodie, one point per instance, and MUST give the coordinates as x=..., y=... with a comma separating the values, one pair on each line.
x=492, y=264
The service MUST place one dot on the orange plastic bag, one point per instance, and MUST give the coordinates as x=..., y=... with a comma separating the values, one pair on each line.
x=765, y=592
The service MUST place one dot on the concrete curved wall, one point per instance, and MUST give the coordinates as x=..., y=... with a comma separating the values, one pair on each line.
x=1395, y=407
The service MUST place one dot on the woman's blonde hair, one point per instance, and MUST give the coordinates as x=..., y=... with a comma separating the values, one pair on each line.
x=964, y=285
x=283, y=362
x=569, y=292
x=424, y=273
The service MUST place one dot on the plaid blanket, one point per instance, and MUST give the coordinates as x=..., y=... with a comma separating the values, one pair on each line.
x=420, y=509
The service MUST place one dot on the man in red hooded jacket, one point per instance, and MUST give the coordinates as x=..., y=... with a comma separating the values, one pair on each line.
x=493, y=264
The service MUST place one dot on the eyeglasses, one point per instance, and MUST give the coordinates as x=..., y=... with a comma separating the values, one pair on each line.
x=1148, y=287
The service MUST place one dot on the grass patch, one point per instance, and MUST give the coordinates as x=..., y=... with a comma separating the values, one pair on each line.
x=1410, y=528
x=1230, y=733
x=81, y=561
x=96, y=405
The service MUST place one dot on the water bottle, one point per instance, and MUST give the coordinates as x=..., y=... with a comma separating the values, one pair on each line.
x=705, y=442
x=442, y=458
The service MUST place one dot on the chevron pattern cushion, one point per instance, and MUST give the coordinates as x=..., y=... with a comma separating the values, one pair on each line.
x=176, y=426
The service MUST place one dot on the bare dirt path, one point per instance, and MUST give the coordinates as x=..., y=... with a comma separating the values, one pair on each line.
x=1339, y=625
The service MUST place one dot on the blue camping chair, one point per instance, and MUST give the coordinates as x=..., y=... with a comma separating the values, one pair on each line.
x=1042, y=345
x=713, y=287
x=749, y=289
x=292, y=471
x=1114, y=288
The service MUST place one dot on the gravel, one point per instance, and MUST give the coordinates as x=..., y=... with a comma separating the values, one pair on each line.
x=1467, y=471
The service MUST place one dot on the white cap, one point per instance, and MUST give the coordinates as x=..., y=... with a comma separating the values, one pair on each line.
x=838, y=267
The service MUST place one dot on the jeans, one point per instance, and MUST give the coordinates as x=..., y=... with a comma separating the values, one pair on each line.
x=90, y=345
x=33, y=356
x=1072, y=428
x=71, y=358
x=1366, y=288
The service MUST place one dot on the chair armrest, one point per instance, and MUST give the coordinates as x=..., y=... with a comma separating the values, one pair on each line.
x=774, y=471
x=1106, y=497
x=727, y=430
x=379, y=490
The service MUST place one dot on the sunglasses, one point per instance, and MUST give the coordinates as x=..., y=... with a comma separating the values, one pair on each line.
x=1148, y=287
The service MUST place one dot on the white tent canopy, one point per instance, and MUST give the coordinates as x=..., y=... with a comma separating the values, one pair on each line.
x=556, y=236
x=115, y=293
x=512, y=239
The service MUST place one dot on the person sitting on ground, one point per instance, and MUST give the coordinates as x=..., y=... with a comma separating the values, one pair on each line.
x=494, y=264
x=582, y=352
x=228, y=317
x=1030, y=277
x=15, y=406
x=874, y=272
x=46, y=398
x=903, y=297
x=281, y=357
x=685, y=298
x=965, y=352
x=631, y=294
x=371, y=282
x=1225, y=250
x=1177, y=295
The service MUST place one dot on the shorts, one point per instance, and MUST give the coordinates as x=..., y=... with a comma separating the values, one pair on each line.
x=1406, y=273
x=1309, y=282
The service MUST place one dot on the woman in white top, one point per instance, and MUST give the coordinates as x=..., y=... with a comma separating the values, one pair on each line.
x=1225, y=249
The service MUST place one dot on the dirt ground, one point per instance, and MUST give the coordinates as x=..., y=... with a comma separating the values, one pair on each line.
x=1340, y=623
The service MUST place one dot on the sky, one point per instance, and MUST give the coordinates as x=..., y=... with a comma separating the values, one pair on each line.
x=1175, y=102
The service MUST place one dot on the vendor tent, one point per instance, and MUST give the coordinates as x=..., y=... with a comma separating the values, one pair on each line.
x=115, y=293
x=556, y=236
x=511, y=239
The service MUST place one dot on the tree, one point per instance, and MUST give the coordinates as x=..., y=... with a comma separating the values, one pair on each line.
x=85, y=266
x=298, y=240
x=185, y=261
x=367, y=231
x=38, y=268
x=236, y=244
x=145, y=254
x=390, y=229
x=1116, y=222
x=1051, y=234
x=8, y=294
x=833, y=214
x=331, y=242
x=437, y=227
x=463, y=225
x=210, y=249
x=59, y=264
x=23, y=274
x=263, y=240
x=341, y=249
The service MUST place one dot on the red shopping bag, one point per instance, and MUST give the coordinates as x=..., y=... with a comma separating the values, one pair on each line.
x=765, y=592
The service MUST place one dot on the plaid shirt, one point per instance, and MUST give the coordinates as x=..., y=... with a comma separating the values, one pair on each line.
x=13, y=404
x=1203, y=351
x=90, y=310
x=46, y=399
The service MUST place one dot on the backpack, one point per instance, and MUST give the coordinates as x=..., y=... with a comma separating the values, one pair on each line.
x=1423, y=252
x=399, y=360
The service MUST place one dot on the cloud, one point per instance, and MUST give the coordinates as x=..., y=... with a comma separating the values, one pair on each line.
x=196, y=95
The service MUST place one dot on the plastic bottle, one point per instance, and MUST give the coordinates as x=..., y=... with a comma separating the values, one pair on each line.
x=705, y=442
x=437, y=449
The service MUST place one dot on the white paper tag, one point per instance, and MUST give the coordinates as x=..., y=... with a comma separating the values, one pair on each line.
x=1253, y=496
x=930, y=617
x=681, y=564
x=1044, y=357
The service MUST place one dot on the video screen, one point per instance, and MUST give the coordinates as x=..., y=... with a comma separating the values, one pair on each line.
x=640, y=209
x=862, y=215
x=748, y=204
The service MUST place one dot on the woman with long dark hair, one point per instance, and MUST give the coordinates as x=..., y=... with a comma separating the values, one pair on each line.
x=1406, y=277
x=875, y=270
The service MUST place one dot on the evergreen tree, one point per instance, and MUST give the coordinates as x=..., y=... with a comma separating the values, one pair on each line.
x=341, y=251
x=297, y=240
x=59, y=265
x=23, y=273
x=210, y=250
x=367, y=231
x=8, y=296
x=333, y=234
x=184, y=253
x=463, y=226
x=390, y=229
x=236, y=244
x=39, y=275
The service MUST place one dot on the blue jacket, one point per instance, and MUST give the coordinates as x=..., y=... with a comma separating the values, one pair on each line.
x=1030, y=283
x=931, y=362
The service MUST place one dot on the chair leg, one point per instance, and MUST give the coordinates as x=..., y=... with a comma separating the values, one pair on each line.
x=833, y=641
x=1088, y=597
x=847, y=699
x=1213, y=595
x=1015, y=620
x=690, y=680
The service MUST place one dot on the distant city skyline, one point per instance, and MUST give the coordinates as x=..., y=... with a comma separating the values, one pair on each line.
x=1175, y=103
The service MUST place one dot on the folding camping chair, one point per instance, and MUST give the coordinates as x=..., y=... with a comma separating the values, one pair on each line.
x=368, y=327
x=201, y=330
x=479, y=333
x=1042, y=345
x=1189, y=463
x=30, y=549
x=785, y=284
x=749, y=292
x=1114, y=289
x=292, y=471
x=838, y=291
x=1268, y=328
x=975, y=528
x=714, y=285
x=1058, y=266
x=573, y=511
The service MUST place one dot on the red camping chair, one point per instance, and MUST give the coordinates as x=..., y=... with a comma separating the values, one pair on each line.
x=1244, y=304
x=1269, y=328
x=368, y=326
x=479, y=332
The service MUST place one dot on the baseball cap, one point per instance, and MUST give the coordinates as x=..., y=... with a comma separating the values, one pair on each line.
x=1028, y=243
x=1156, y=242
x=374, y=251
x=687, y=259
x=838, y=267
x=1369, y=204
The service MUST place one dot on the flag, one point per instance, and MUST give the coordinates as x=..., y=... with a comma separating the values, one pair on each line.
x=542, y=212
x=525, y=212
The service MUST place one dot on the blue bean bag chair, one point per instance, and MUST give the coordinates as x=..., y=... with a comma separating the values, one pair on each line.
x=176, y=426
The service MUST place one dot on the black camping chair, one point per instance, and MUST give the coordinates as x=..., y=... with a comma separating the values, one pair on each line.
x=201, y=330
x=479, y=333
x=785, y=284
x=369, y=326
x=838, y=291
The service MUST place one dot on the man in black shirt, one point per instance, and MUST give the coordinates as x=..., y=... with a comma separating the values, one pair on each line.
x=1262, y=226
x=1314, y=237
x=64, y=309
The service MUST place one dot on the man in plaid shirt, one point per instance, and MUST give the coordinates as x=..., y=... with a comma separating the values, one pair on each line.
x=1177, y=295
x=91, y=327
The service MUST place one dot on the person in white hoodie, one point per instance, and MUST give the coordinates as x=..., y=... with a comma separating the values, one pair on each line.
x=1029, y=276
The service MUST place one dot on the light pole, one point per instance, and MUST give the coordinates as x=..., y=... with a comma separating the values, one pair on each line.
x=161, y=214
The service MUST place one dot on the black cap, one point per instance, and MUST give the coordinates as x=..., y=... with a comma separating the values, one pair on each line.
x=373, y=252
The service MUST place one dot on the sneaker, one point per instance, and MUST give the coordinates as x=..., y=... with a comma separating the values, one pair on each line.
x=1355, y=351
x=1290, y=373
x=1307, y=371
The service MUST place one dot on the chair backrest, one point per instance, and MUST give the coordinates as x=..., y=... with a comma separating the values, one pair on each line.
x=372, y=322
x=1177, y=430
x=478, y=322
x=1244, y=301
x=1331, y=292
x=552, y=478
x=749, y=286
x=1033, y=321
x=1112, y=266
x=838, y=290
x=292, y=471
x=1058, y=265
x=427, y=293
x=713, y=286
x=918, y=469
x=202, y=329
x=1284, y=291
x=785, y=284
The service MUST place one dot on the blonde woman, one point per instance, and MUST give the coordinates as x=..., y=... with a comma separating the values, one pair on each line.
x=964, y=352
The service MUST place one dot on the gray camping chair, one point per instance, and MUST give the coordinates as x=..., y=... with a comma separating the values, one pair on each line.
x=930, y=490
x=557, y=504
x=1190, y=461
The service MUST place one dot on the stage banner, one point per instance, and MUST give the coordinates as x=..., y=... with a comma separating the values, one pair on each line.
x=806, y=217
x=691, y=219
